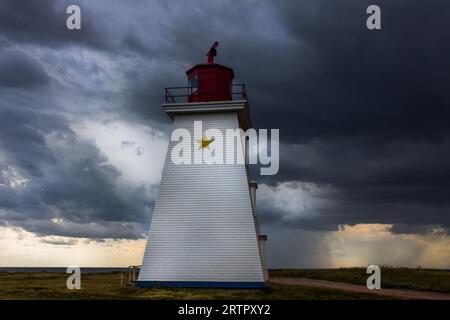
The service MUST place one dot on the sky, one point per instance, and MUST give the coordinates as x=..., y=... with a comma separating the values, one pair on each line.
x=363, y=116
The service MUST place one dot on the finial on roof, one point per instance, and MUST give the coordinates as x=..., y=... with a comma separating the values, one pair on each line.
x=212, y=52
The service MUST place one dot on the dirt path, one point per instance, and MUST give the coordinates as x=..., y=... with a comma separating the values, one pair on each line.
x=397, y=293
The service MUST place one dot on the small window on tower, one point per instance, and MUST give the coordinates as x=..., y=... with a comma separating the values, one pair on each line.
x=193, y=84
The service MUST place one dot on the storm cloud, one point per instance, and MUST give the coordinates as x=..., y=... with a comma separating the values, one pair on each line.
x=363, y=115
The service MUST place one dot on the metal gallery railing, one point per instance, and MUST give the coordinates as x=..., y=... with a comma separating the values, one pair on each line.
x=182, y=94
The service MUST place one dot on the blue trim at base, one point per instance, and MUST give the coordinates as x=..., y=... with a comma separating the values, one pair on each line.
x=202, y=284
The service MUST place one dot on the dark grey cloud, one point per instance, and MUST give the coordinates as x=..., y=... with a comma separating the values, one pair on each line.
x=363, y=113
x=43, y=23
x=19, y=70
x=144, y=95
x=58, y=242
x=383, y=86
x=94, y=230
x=22, y=140
x=69, y=180
x=403, y=228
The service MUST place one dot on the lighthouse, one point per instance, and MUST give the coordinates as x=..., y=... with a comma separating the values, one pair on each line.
x=204, y=231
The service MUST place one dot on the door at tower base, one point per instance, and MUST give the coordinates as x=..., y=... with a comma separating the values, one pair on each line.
x=204, y=231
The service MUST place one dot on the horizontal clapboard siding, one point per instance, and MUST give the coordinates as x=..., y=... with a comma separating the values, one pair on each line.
x=203, y=227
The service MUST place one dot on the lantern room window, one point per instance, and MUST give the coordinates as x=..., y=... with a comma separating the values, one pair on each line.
x=193, y=84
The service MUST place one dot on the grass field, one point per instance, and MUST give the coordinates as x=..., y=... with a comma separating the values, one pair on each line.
x=107, y=286
x=398, y=278
x=45, y=285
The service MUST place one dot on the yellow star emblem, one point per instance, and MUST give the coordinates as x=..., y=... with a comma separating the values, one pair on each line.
x=204, y=142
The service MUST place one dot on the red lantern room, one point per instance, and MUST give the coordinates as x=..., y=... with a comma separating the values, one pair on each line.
x=207, y=82
x=210, y=82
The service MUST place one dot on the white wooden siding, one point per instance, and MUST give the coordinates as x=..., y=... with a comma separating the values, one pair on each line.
x=203, y=228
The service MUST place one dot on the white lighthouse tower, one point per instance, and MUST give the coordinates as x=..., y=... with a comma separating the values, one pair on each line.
x=204, y=230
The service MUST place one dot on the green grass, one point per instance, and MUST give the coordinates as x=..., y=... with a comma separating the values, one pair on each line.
x=45, y=285
x=399, y=278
